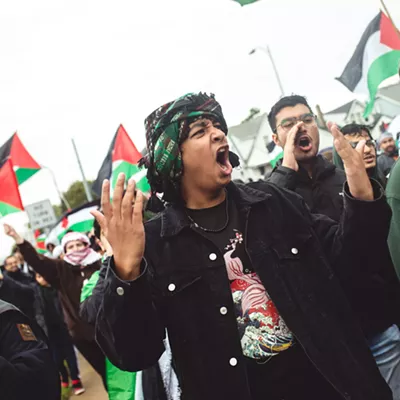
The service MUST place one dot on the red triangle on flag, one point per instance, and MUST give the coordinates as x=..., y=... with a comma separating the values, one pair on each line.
x=20, y=156
x=64, y=223
x=9, y=193
x=124, y=149
x=389, y=36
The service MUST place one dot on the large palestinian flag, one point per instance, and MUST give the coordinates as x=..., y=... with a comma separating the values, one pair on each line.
x=377, y=57
x=122, y=156
x=10, y=199
x=24, y=165
x=77, y=220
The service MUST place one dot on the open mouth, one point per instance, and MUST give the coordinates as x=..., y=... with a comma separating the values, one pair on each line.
x=222, y=159
x=304, y=143
x=369, y=159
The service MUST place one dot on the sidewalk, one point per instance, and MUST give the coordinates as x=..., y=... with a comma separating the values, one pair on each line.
x=91, y=381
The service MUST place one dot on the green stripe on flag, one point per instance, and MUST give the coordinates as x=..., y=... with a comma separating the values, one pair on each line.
x=23, y=174
x=131, y=170
x=83, y=226
x=382, y=68
x=6, y=209
x=276, y=159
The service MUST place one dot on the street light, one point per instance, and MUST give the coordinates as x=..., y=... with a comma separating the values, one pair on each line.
x=269, y=54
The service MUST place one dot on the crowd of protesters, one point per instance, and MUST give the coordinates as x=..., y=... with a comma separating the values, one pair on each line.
x=286, y=288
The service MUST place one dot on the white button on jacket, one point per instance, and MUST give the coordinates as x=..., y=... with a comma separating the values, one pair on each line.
x=171, y=287
x=212, y=256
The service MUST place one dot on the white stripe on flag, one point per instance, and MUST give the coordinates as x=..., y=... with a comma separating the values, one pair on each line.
x=373, y=49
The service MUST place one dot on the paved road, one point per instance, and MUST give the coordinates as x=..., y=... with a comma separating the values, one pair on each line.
x=91, y=381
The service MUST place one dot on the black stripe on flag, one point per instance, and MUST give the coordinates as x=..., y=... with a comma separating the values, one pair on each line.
x=105, y=169
x=353, y=71
x=5, y=150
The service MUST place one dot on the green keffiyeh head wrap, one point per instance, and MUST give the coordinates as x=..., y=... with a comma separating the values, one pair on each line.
x=166, y=129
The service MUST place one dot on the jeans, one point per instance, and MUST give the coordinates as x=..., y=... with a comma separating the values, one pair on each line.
x=385, y=348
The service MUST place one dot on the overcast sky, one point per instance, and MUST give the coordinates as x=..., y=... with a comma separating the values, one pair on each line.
x=80, y=68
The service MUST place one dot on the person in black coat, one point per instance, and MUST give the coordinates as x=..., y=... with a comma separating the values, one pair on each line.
x=12, y=269
x=243, y=277
x=372, y=287
x=21, y=296
x=27, y=370
x=60, y=342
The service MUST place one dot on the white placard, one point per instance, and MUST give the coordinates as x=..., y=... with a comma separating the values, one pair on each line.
x=41, y=214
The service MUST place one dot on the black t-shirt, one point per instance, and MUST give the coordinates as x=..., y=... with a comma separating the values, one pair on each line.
x=262, y=330
x=224, y=215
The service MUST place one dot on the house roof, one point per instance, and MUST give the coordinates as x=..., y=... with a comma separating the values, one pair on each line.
x=344, y=109
x=247, y=130
x=392, y=92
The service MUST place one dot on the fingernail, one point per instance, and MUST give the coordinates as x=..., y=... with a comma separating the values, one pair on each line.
x=131, y=181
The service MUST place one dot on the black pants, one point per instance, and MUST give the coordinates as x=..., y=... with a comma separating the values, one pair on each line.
x=62, y=349
x=289, y=376
x=94, y=356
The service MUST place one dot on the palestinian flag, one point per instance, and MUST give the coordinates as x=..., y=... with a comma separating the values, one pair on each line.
x=245, y=2
x=24, y=165
x=10, y=199
x=376, y=58
x=122, y=156
x=40, y=239
x=77, y=220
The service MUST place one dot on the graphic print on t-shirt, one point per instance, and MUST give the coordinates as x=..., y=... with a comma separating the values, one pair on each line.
x=262, y=330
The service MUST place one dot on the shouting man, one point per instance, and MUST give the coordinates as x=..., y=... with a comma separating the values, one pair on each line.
x=354, y=133
x=371, y=286
x=243, y=278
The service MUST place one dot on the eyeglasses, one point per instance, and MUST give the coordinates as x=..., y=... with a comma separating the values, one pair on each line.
x=289, y=123
x=369, y=143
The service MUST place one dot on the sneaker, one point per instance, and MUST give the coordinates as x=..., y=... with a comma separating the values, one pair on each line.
x=78, y=387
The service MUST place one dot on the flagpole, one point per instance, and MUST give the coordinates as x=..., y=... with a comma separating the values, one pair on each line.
x=85, y=184
x=390, y=17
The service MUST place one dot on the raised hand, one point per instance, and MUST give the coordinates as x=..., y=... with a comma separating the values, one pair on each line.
x=10, y=231
x=357, y=177
x=289, y=159
x=122, y=225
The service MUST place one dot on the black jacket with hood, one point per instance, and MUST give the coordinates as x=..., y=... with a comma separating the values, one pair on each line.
x=323, y=193
x=373, y=289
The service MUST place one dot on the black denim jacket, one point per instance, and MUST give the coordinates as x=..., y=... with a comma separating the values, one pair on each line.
x=184, y=286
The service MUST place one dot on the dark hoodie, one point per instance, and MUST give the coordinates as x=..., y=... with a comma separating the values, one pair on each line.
x=323, y=193
x=20, y=277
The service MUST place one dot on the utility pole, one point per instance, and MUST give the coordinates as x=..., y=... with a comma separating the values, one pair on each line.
x=267, y=51
x=85, y=184
x=60, y=194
